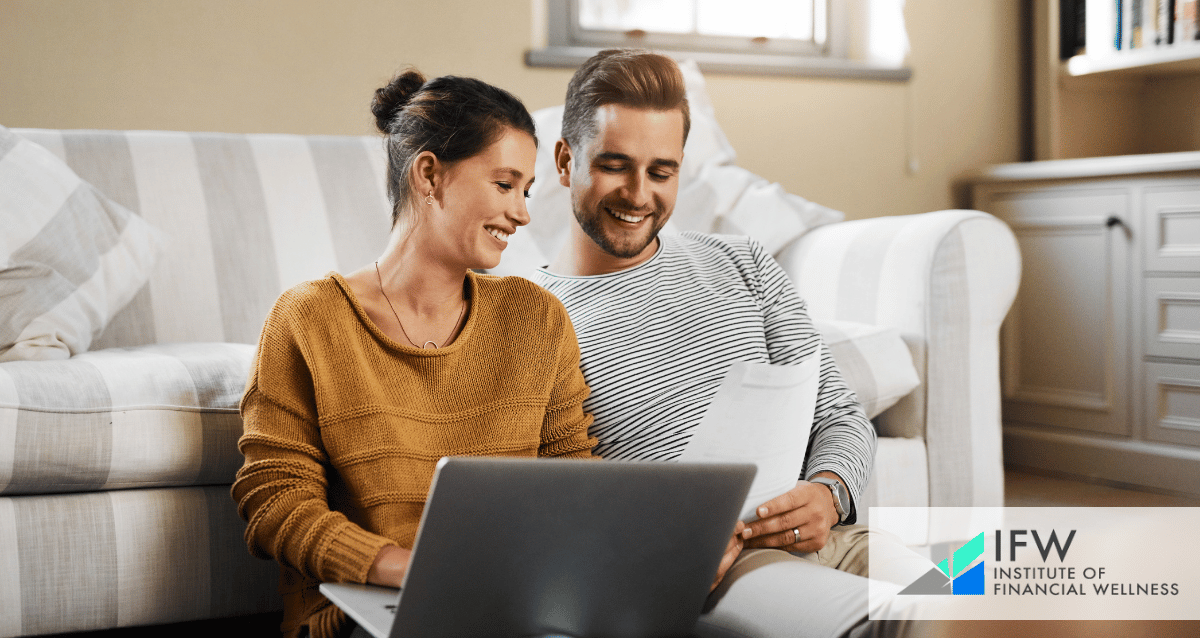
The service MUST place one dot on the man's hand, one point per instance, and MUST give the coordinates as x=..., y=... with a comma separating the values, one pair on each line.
x=731, y=553
x=807, y=509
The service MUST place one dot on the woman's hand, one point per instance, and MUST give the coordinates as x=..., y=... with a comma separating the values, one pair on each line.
x=731, y=553
x=391, y=563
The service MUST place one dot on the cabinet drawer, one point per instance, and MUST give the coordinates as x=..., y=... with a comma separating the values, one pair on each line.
x=1173, y=403
x=1172, y=231
x=1173, y=317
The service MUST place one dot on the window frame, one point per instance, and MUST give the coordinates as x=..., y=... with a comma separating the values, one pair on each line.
x=564, y=48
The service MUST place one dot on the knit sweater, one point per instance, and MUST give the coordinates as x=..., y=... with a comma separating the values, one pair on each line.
x=343, y=426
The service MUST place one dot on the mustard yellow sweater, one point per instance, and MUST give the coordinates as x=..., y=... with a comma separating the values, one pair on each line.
x=343, y=425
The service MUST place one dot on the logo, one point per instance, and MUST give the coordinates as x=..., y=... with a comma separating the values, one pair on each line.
x=952, y=576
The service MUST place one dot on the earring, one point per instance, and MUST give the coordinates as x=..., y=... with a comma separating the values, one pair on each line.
x=429, y=198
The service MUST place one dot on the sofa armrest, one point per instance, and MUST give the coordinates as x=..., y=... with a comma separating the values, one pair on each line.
x=945, y=280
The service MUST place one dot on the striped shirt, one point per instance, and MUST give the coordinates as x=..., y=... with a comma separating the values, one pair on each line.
x=657, y=339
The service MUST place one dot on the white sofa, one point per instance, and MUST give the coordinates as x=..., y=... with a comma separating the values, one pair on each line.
x=115, y=465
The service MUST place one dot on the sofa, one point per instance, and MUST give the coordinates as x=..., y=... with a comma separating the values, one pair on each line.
x=116, y=461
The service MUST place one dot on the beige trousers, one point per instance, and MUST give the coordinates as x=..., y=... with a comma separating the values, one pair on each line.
x=770, y=593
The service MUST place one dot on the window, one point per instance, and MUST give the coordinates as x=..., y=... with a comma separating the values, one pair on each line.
x=793, y=37
x=784, y=26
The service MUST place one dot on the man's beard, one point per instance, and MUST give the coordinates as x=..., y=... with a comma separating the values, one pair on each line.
x=592, y=224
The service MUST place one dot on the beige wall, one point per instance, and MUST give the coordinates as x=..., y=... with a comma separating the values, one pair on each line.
x=306, y=66
x=1170, y=120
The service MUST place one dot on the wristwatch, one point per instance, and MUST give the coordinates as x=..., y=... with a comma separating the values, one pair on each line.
x=841, y=500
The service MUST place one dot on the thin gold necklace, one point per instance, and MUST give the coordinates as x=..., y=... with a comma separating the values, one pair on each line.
x=401, y=324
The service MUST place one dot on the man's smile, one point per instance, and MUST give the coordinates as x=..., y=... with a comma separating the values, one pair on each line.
x=626, y=217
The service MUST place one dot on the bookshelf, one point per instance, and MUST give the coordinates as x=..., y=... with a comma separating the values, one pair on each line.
x=1164, y=60
x=1123, y=103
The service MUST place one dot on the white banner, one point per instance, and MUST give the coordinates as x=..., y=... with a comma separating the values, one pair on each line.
x=1042, y=563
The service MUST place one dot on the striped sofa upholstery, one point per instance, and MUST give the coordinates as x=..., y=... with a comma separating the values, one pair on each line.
x=248, y=216
x=945, y=280
x=115, y=464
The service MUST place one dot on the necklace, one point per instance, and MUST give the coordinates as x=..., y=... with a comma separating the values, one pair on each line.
x=401, y=324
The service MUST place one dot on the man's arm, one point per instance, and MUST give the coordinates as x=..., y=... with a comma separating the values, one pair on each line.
x=842, y=439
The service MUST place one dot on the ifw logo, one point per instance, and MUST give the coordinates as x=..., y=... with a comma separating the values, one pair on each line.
x=952, y=576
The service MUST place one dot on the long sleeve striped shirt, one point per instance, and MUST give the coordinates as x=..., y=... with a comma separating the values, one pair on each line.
x=657, y=339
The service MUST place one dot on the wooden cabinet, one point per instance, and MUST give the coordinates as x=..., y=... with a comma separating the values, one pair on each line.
x=1100, y=354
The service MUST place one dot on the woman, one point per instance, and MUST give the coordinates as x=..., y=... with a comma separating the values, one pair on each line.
x=362, y=382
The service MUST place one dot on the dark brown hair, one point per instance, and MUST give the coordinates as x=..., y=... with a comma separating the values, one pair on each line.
x=630, y=77
x=452, y=117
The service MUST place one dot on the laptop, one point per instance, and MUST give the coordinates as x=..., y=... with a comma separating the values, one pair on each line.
x=515, y=548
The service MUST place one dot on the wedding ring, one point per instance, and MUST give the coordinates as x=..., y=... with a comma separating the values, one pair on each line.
x=796, y=531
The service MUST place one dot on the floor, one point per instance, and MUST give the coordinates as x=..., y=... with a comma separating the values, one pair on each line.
x=1023, y=488
x=1034, y=488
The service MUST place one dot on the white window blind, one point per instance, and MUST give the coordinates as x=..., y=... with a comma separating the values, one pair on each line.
x=705, y=24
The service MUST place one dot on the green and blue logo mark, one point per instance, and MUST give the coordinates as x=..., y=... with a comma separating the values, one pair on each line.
x=952, y=576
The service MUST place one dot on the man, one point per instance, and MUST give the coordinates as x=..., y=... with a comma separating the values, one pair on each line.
x=661, y=318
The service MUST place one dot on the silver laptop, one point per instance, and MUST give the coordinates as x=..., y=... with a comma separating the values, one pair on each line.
x=514, y=548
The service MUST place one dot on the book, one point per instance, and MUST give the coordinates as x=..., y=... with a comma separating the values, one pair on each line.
x=1072, y=36
x=1135, y=23
x=1185, y=21
x=1100, y=29
x=1080, y=26
x=1169, y=22
x=1148, y=13
x=1166, y=21
x=1119, y=31
x=1161, y=23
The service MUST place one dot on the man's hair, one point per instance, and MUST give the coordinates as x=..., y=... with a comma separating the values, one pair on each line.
x=629, y=77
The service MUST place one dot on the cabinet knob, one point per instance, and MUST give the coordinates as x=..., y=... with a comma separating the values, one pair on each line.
x=1113, y=220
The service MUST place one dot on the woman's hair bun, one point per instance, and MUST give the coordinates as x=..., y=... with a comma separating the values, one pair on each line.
x=390, y=99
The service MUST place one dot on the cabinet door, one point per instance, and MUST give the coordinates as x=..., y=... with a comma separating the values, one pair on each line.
x=1065, y=343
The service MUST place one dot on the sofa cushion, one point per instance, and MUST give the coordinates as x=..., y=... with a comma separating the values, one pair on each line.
x=70, y=258
x=715, y=195
x=873, y=360
x=899, y=478
x=148, y=416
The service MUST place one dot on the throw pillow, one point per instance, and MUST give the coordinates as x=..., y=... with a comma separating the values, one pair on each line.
x=70, y=258
x=715, y=195
x=873, y=360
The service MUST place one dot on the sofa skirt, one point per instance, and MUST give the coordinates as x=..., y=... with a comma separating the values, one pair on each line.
x=100, y=560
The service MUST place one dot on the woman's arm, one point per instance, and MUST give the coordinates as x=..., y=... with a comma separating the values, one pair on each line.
x=565, y=427
x=281, y=488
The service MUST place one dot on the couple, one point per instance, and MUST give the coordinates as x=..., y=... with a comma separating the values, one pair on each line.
x=362, y=382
